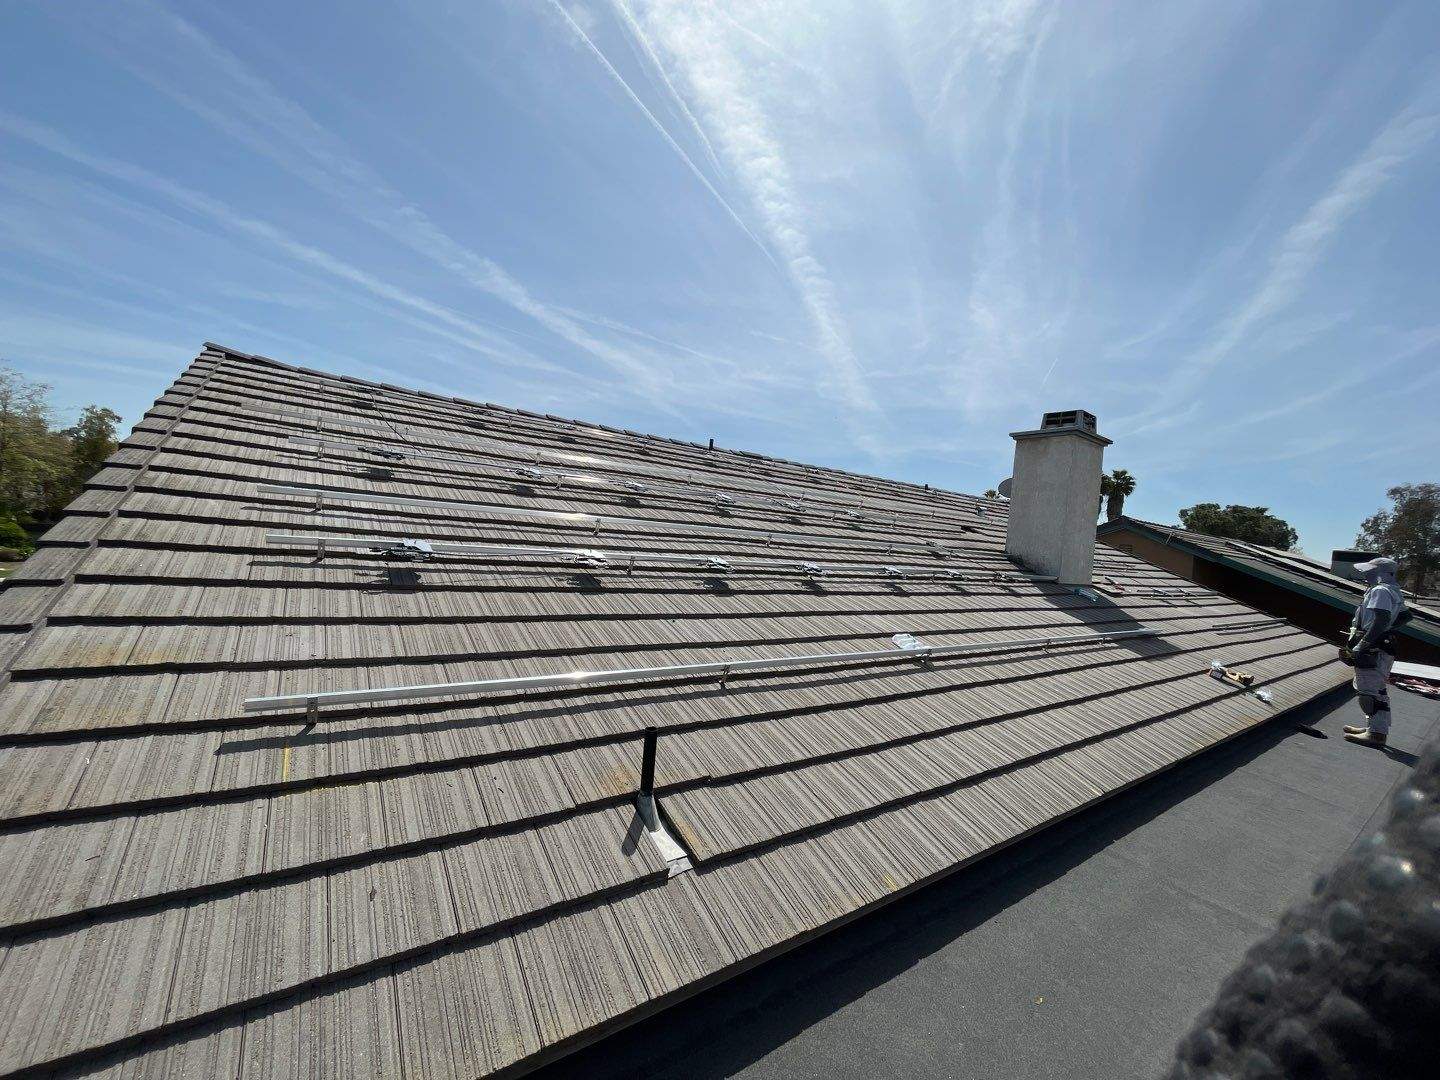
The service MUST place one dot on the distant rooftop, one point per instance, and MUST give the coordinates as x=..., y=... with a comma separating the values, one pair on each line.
x=1286, y=568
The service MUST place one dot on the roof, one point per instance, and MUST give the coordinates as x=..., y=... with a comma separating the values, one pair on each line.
x=1289, y=569
x=461, y=883
x=1083, y=953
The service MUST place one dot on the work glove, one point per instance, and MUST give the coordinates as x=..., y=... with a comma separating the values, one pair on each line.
x=1346, y=656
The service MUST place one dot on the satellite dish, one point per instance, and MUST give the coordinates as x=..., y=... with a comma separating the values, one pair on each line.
x=1005, y=486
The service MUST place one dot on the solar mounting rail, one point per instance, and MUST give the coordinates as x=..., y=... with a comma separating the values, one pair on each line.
x=703, y=560
x=722, y=668
x=582, y=517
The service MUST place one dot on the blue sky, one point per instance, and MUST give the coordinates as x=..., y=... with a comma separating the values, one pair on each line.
x=879, y=235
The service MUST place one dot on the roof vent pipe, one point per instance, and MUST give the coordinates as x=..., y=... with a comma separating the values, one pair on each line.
x=1056, y=492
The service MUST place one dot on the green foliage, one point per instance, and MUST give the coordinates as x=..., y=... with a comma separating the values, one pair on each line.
x=92, y=440
x=1253, y=524
x=1409, y=532
x=1113, y=489
x=13, y=537
x=42, y=469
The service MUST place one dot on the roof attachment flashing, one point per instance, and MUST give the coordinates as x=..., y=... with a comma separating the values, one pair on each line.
x=407, y=551
x=912, y=644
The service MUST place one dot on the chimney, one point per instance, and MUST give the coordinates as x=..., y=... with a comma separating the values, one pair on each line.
x=1343, y=560
x=1055, y=496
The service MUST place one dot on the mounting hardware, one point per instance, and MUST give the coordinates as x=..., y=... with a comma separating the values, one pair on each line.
x=408, y=551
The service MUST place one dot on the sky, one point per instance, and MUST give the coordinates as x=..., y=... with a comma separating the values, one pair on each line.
x=877, y=235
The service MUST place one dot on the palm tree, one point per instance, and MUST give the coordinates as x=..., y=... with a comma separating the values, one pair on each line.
x=1114, y=488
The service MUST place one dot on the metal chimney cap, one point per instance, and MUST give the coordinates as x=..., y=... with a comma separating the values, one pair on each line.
x=1066, y=422
x=1073, y=418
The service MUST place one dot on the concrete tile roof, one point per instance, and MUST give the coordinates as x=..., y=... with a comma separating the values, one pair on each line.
x=461, y=884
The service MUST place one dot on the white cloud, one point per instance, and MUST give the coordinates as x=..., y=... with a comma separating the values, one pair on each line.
x=1298, y=252
x=165, y=50
x=708, y=57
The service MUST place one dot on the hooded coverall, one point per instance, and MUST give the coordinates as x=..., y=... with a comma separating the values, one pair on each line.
x=1370, y=644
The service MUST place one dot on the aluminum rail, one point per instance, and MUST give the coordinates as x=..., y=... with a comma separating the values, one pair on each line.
x=700, y=559
x=722, y=668
x=576, y=517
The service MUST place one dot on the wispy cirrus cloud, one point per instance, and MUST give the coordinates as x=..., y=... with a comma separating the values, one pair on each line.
x=462, y=329
x=162, y=48
x=1300, y=250
x=707, y=54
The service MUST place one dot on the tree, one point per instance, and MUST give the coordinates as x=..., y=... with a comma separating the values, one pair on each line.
x=1409, y=532
x=991, y=493
x=42, y=469
x=33, y=458
x=1113, y=489
x=92, y=440
x=1254, y=524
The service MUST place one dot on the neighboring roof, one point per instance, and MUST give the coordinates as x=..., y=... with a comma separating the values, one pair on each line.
x=1286, y=568
x=461, y=884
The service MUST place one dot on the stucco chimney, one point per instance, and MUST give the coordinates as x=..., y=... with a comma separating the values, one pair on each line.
x=1055, y=496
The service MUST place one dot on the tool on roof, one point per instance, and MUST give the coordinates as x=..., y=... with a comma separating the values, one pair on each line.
x=1235, y=677
x=1218, y=670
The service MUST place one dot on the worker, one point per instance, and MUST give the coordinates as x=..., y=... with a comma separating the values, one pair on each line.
x=1370, y=648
